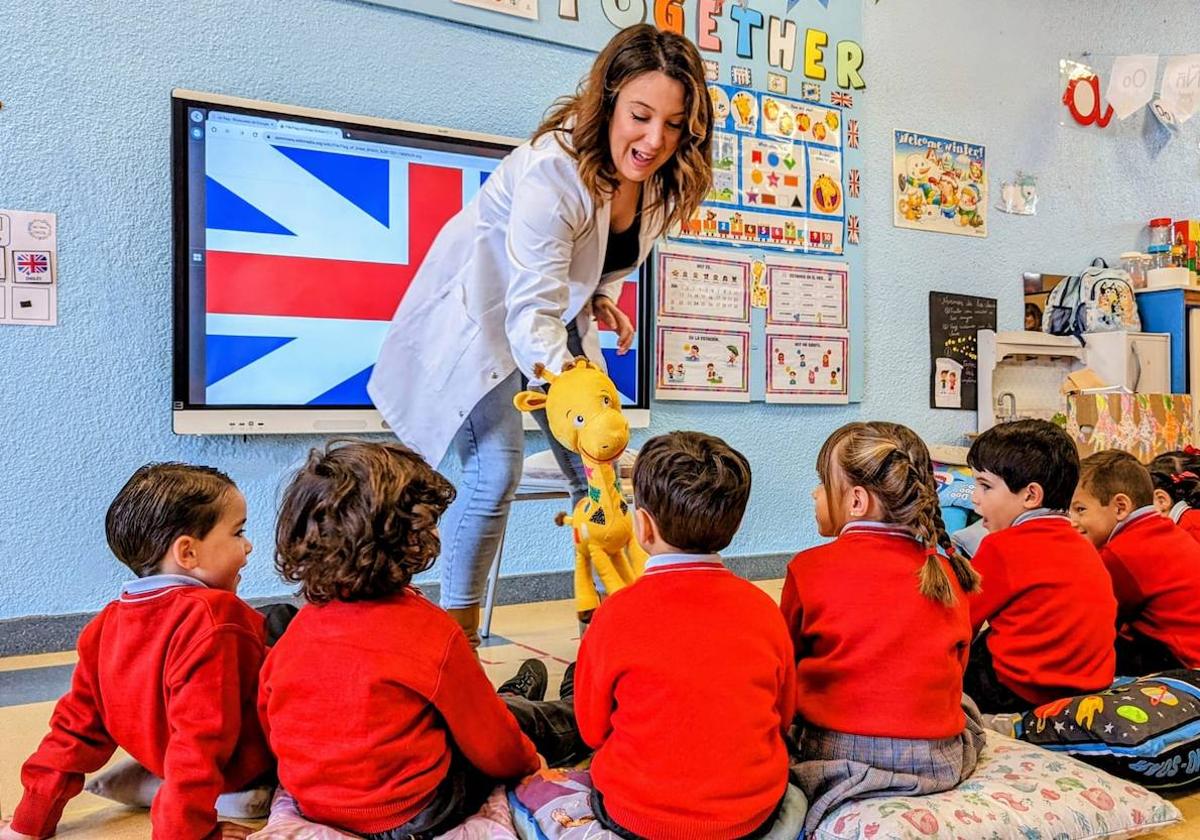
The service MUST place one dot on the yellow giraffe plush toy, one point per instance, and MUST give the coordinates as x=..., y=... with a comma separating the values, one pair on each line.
x=584, y=412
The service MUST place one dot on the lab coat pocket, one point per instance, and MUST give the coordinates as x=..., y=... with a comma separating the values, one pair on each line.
x=439, y=333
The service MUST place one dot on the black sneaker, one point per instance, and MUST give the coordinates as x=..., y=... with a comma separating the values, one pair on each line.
x=566, y=689
x=529, y=682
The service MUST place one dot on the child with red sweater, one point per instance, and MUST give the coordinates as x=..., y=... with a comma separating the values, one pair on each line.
x=685, y=683
x=1046, y=596
x=382, y=719
x=878, y=497
x=1154, y=564
x=1176, y=478
x=169, y=671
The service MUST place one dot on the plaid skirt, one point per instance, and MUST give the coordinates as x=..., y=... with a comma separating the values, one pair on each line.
x=835, y=767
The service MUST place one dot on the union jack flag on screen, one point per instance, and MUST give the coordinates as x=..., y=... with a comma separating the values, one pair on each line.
x=308, y=252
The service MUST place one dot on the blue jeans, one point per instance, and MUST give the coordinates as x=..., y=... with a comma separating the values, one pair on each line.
x=491, y=446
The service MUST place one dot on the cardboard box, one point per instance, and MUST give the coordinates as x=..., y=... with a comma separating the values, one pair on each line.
x=1084, y=379
x=1144, y=425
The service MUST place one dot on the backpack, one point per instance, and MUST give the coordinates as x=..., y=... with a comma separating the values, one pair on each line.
x=1099, y=300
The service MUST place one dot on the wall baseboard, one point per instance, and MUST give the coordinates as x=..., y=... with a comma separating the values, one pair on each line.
x=51, y=633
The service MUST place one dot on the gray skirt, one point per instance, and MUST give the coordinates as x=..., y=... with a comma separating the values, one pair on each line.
x=835, y=767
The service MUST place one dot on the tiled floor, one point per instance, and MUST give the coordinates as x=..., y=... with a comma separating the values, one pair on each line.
x=29, y=685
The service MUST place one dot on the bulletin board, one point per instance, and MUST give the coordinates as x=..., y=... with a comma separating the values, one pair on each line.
x=768, y=274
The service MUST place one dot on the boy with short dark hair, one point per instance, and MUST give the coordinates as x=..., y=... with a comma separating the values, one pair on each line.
x=686, y=680
x=169, y=671
x=1154, y=564
x=1046, y=597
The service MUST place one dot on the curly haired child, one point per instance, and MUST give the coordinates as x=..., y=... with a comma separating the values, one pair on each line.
x=380, y=715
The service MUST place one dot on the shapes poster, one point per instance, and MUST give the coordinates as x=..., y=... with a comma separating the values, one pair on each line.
x=702, y=362
x=939, y=184
x=777, y=175
x=28, y=268
x=954, y=324
x=807, y=366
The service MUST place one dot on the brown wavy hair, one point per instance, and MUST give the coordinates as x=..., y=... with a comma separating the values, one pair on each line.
x=358, y=520
x=892, y=463
x=683, y=182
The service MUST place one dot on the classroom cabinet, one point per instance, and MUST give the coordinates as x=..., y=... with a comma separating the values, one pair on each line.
x=1021, y=372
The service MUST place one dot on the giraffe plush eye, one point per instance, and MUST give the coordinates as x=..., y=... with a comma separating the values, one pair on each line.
x=578, y=421
x=607, y=401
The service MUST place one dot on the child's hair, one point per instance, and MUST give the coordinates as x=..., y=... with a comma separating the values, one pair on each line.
x=695, y=486
x=1108, y=473
x=358, y=520
x=159, y=504
x=1178, y=475
x=892, y=463
x=1025, y=452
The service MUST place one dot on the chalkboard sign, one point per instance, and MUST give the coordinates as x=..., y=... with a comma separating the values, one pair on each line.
x=954, y=321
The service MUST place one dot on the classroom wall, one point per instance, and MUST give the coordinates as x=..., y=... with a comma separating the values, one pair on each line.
x=84, y=132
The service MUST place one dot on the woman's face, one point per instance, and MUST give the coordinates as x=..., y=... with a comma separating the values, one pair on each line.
x=647, y=123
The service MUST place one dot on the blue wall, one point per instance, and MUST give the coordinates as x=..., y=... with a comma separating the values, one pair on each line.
x=84, y=133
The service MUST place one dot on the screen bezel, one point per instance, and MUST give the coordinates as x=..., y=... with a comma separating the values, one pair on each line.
x=194, y=418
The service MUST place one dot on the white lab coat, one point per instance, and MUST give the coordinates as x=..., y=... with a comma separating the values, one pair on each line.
x=493, y=294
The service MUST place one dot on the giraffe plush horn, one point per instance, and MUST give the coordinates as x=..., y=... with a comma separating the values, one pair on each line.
x=543, y=372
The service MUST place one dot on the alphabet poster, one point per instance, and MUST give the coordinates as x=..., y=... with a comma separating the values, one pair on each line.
x=939, y=184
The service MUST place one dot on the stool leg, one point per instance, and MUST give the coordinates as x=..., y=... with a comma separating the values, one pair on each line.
x=490, y=599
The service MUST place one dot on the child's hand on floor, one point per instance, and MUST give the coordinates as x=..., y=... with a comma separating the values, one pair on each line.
x=6, y=833
x=230, y=831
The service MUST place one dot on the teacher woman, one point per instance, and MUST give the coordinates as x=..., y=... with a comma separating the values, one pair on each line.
x=520, y=275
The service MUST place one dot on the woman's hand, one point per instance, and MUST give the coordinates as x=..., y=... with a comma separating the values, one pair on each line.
x=233, y=831
x=611, y=315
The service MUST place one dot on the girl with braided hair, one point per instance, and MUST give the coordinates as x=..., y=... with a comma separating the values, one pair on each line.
x=881, y=627
x=1176, y=477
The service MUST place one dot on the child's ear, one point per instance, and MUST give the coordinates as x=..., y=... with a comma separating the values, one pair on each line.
x=1122, y=506
x=183, y=552
x=1162, y=501
x=1034, y=496
x=645, y=529
x=860, y=501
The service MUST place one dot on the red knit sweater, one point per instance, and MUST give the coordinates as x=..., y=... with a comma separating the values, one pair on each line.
x=170, y=676
x=1155, y=568
x=685, y=684
x=1051, y=608
x=874, y=655
x=361, y=701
